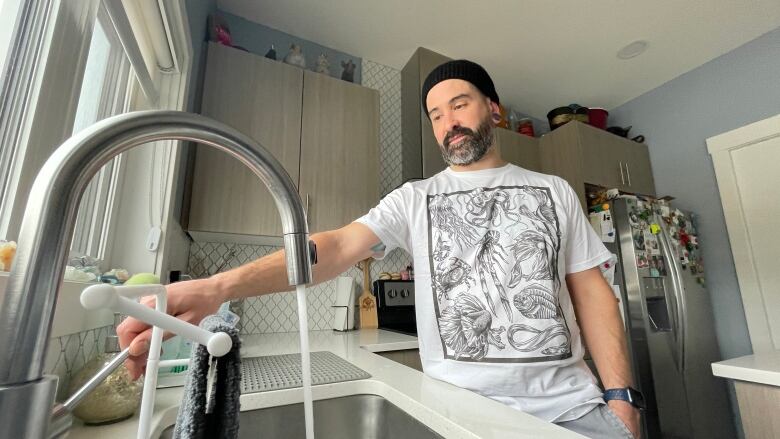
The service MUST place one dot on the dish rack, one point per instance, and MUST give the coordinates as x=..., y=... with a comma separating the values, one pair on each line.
x=121, y=299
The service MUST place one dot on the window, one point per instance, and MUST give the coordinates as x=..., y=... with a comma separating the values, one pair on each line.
x=69, y=64
x=104, y=93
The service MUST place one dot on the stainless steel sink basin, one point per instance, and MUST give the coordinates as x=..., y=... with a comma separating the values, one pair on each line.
x=348, y=417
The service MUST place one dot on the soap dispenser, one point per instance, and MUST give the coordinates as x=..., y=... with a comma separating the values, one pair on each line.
x=117, y=397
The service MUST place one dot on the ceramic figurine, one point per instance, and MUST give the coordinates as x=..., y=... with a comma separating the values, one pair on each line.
x=348, y=74
x=271, y=53
x=295, y=56
x=323, y=66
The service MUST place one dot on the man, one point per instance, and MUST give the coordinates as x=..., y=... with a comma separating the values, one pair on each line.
x=504, y=258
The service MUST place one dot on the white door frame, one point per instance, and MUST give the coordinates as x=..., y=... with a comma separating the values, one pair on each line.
x=721, y=148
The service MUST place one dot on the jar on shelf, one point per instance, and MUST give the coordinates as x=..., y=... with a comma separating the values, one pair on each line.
x=526, y=126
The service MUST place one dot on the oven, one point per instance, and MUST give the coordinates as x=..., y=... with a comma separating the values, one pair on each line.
x=395, y=305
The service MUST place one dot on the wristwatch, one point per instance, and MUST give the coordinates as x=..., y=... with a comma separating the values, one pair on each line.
x=628, y=394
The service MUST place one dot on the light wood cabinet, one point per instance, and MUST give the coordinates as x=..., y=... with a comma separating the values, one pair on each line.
x=518, y=149
x=339, y=174
x=262, y=99
x=581, y=154
x=407, y=357
x=324, y=131
x=758, y=405
x=421, y=154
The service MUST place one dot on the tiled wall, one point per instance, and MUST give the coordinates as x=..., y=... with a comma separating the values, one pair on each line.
x=278, y=312
x=69, y=353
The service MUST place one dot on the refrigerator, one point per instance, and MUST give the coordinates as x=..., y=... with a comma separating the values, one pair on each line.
x=658, y=277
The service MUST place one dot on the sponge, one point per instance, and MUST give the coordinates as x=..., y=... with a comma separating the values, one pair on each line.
x=143, y=279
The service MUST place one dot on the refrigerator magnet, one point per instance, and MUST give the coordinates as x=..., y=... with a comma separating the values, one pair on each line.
x=641, y=260
x=639, y=239
x=651, y=243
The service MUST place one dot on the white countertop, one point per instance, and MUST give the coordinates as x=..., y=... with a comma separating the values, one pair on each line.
x=761, y=368
x=449, y=410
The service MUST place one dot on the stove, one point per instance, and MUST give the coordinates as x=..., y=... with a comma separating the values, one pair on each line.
x=395, y=305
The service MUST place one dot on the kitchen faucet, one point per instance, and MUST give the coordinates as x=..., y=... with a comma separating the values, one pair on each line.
x=28, y=303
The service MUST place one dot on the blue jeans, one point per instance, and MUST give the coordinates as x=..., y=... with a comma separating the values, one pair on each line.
x=599, y=423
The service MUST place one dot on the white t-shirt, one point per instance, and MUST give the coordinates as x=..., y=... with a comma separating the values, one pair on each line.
x=491, y=249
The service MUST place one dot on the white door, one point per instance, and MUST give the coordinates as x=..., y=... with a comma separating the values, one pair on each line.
x=746, y=165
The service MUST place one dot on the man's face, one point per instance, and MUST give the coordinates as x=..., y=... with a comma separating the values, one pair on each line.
x=461, y=117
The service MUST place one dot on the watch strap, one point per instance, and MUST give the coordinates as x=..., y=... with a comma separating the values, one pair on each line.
x=627, y=394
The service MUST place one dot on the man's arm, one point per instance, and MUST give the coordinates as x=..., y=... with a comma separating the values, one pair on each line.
x=191, y=301
x=599, y=319
x=337, y=251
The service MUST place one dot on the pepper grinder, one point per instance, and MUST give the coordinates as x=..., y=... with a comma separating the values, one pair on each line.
x=117, y=397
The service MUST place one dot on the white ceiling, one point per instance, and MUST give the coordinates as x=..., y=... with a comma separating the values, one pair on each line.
x=541, y=54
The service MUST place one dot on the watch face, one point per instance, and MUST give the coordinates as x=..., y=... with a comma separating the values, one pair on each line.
x=636, y=398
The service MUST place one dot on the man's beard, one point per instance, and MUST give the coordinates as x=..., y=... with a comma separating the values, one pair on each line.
x=471, y=148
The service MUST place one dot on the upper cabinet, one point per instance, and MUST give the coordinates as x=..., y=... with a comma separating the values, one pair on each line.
x=324, y=131
x=339, y=179
x=519, y=149
x=583, y=154
x=262, y=99
x=421, y=154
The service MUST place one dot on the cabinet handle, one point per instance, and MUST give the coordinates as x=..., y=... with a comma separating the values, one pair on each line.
x=622, y=177
x=628, y=175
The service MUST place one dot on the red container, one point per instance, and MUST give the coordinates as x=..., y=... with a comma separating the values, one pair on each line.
x=598, y=117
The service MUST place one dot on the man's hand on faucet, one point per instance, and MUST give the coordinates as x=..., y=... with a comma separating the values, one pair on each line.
x=190, y=301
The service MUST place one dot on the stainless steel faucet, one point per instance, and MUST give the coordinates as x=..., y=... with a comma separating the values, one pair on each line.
x=27, y=305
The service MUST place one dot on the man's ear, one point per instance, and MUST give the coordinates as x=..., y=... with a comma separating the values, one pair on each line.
x=495, y=112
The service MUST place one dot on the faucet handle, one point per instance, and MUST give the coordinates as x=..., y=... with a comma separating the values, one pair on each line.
x=312, y=252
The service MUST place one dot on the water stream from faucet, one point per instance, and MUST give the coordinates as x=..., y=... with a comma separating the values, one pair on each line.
x=305, y=361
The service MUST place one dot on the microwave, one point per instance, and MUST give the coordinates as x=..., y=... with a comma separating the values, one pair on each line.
x=395, y=305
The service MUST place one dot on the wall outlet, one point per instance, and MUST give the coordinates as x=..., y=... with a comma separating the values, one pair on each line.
x=153, y=239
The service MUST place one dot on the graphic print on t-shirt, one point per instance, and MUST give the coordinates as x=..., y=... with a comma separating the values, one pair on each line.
x=495, y=281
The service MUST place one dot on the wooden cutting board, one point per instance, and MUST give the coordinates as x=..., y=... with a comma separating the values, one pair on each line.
x=367, y=301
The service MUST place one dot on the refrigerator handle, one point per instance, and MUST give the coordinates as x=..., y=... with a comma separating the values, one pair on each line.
x=622, y=176
x=679, y=296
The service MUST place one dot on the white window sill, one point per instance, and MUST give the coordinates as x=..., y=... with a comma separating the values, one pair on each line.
x=70, y=317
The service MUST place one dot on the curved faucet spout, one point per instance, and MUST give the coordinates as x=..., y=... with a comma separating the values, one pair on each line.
x=27, y=305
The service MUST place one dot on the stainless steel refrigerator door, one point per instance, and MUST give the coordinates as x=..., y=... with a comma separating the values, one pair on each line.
x=629, y=278
x=666, y=352
x=708, y=406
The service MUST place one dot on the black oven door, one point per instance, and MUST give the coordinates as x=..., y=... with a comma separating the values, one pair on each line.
x=395, y=305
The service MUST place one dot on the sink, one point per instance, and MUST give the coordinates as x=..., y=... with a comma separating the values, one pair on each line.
x=348, y=417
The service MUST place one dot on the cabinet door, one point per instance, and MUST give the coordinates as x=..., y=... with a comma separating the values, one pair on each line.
x=639, y=172
x=560, y=155
x=603, y=157
x=339, y=176
x=262, y=99
x=433, y=163
x=519, y=149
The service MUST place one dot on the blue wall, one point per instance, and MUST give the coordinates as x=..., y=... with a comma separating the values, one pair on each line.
x=733, y=90
x=258, y=38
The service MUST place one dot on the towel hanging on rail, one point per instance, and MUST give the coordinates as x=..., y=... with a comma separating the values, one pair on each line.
x=210, y=404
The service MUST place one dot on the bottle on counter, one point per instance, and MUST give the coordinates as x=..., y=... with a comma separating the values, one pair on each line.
x=117, y=397
x=410, y=270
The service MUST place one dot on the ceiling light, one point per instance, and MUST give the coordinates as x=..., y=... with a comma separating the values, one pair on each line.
x=631, y=50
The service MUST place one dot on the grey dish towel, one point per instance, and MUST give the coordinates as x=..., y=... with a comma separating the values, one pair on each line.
x=217, y=417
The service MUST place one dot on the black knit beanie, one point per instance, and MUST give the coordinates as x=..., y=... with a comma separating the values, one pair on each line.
x=460, y=69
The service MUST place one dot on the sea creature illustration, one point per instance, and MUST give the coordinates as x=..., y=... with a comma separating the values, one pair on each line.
x=485, y=209
x=445, y=218
x=532, y=245
x=536, y=302
x=466, y=328
x=451, y=274
x=442, y=249
x=489, y=256
x=537, y=206
x=538, y=338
